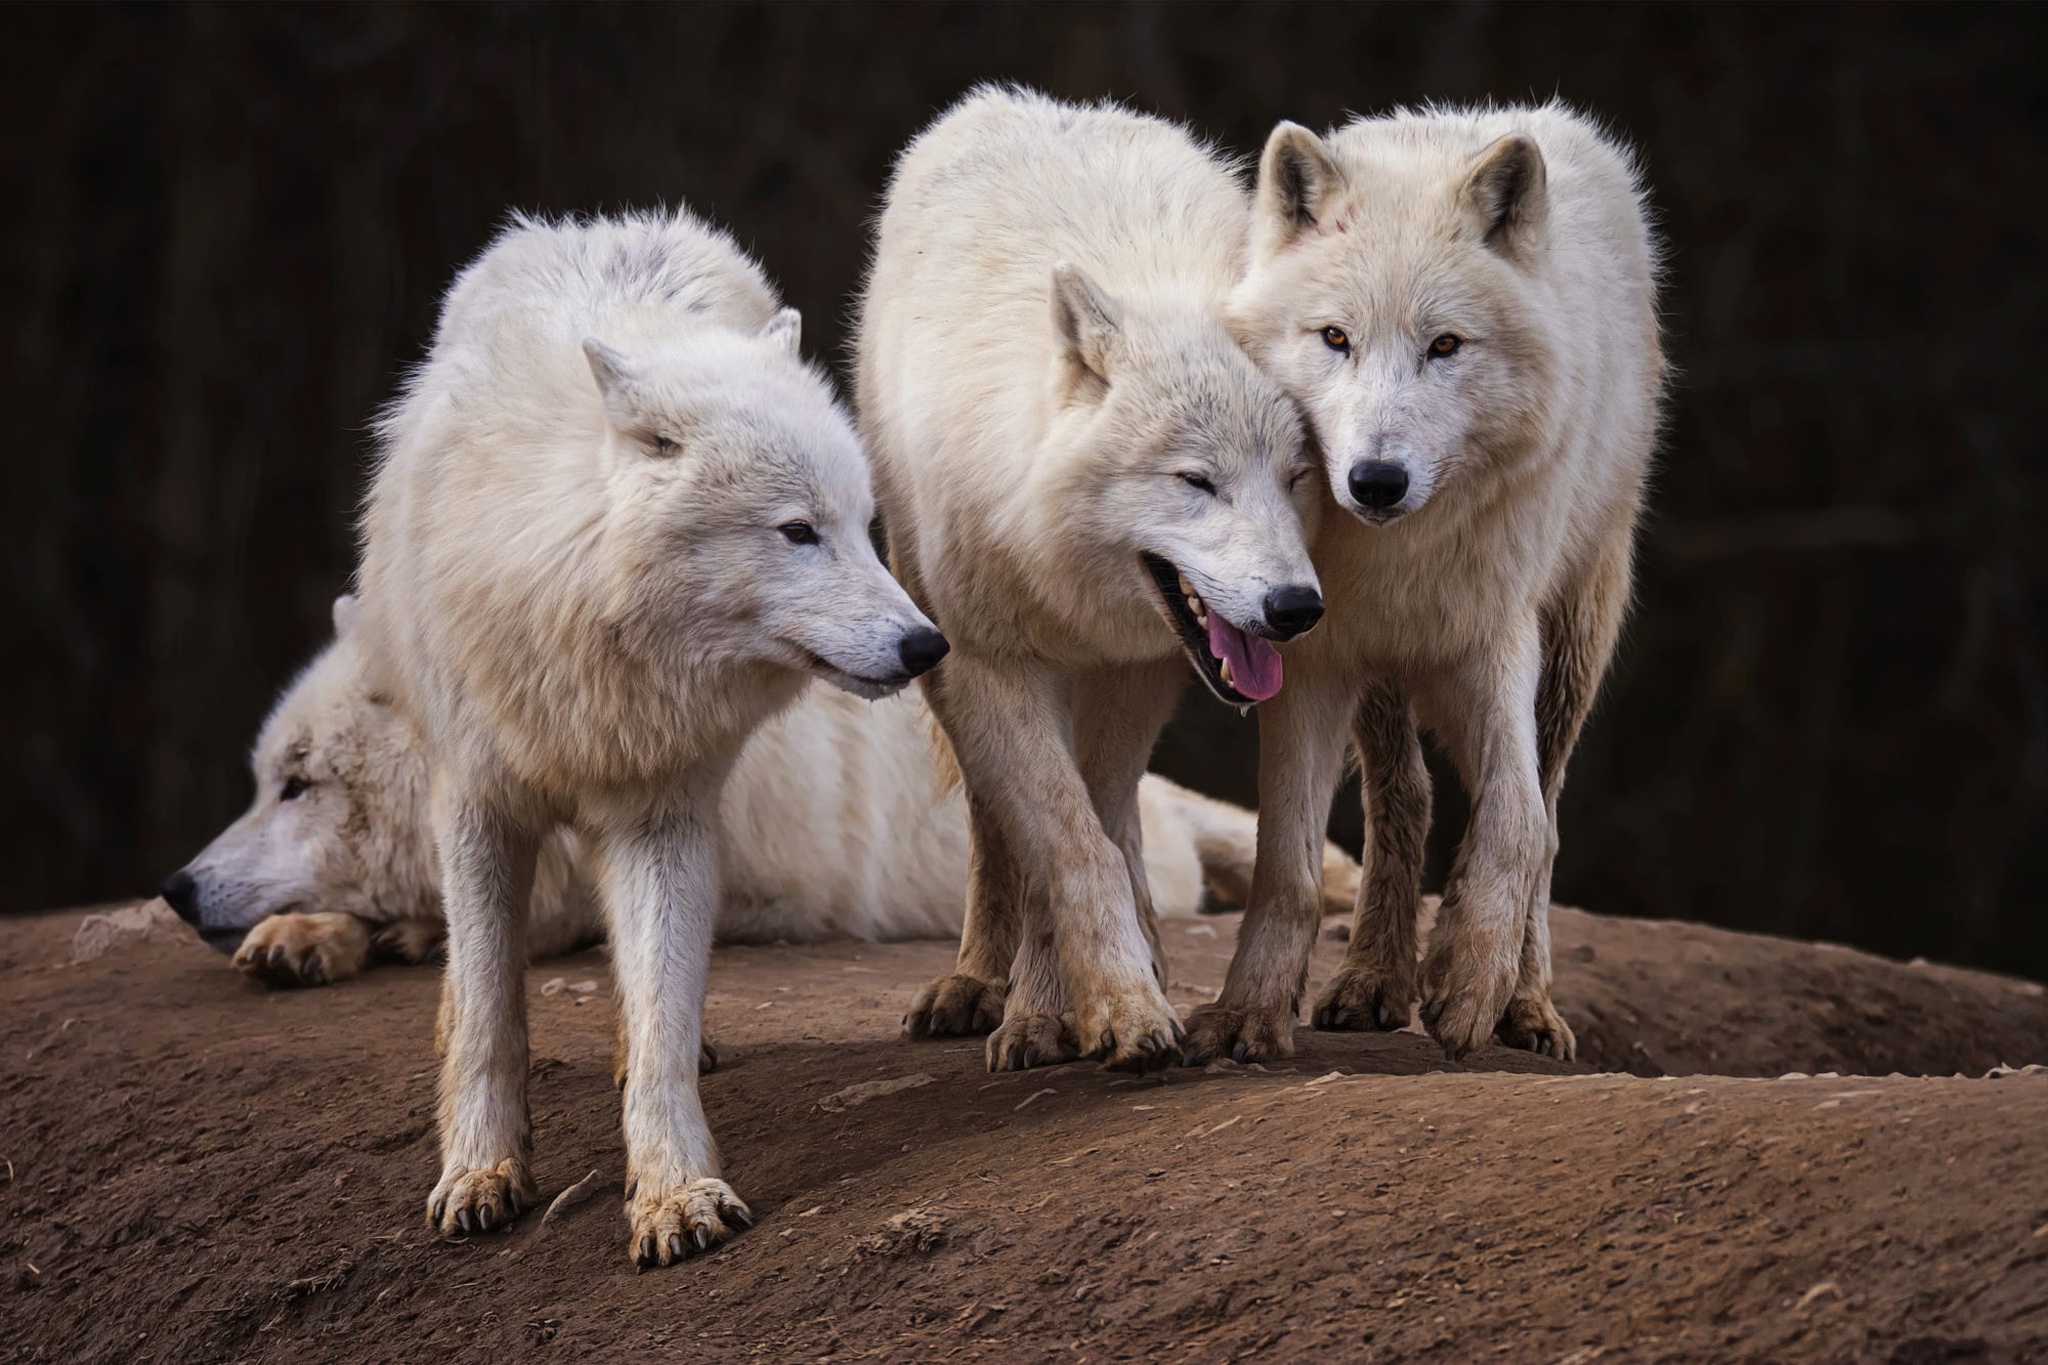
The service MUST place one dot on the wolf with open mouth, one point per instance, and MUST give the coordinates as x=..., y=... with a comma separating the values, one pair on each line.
x=1078, y=494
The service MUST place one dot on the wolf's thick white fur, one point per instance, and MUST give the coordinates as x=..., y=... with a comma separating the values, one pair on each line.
x=836, y=823
x=1464, y=304
x=1050, y=395
x=616, y=524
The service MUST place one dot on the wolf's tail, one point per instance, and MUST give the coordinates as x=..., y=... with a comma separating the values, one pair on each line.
x=1227, y=844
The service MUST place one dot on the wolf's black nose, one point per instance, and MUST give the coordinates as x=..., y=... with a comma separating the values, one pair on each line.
x=1293, y=610
x=181, y=893
x=921, y=650
x=1378, y=484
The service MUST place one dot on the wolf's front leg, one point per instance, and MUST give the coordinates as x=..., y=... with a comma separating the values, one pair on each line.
x=1486, y=716
x=1012, y=730
x=486, y=1140
x=1301, y=757
x=972, y=999
x=658, y=877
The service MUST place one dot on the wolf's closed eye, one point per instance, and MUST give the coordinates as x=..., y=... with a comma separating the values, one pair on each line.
x=294, y=788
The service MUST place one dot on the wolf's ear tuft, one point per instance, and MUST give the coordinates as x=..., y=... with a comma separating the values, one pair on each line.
x=1085, y=319
x=787, y=327
x=1298, y=182
x=610, y=368
x=1506, y=194
x=344, y=615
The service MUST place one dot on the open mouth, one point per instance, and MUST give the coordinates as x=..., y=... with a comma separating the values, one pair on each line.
x=1239, y=667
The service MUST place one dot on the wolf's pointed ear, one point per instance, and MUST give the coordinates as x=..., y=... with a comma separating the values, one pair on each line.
x=1506, y=194
x=1298, y=184
x=610, y=368
x=1085, y=320
x=786, y=327
x=344, y=615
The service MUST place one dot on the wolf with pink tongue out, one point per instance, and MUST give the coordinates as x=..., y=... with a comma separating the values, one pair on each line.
x=1091, y=488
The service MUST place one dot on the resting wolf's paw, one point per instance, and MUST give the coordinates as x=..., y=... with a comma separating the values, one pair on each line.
x=1032, y=1040
x=469, y=1201
x=1134, y=1030
x=1533, y=1024
x=954, y=1006
x=1242, y=1035
x=1463, y=995
x=304, y=950
x=681, y=1222
x=1361, y=998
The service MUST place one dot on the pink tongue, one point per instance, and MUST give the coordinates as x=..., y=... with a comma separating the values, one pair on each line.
x=1254, y=663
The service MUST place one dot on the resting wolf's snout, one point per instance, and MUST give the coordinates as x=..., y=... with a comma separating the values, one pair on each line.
x=921, y=649
x=1293, y=610
x=1378, y=484
x=181, y=893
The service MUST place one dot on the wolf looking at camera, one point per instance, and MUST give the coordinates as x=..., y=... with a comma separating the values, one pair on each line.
x=1091, y=488
x=1464, y=304
x=617, y=525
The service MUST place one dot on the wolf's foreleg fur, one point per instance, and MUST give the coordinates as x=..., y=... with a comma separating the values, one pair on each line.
x=1118, y=714
x=1011, y=728
x=1485, y=713
x=487, y=865
x=657, y=876
x=1375, y=986
x=1301, y=758
x=1580, y=630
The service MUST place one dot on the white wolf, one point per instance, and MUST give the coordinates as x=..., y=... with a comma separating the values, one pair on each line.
x=617, y=525
x=1085, y=477
x=1464, y=304
x=836, y=822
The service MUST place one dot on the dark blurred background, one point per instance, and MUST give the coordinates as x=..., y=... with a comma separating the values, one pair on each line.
x=227, y=227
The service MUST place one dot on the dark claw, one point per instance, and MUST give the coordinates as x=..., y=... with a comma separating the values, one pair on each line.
x=1432, y=1010
x=703, y=1239
x=462, y=1222
x=742, y=1217
x=1237, y=1051
x=675, y=1246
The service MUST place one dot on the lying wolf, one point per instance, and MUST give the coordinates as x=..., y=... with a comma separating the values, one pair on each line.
x=836, y=822
x=1091, y=488
x=1464, y=305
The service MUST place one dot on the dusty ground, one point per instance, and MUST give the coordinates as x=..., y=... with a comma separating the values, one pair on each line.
x=201, y=1170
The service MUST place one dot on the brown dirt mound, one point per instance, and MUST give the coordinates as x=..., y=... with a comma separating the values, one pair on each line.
x=201, y=1170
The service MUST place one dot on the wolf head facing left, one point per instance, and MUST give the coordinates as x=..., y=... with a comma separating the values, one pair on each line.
x=1394, y=292
x=772, y=560
x=1187, y=472
x=338, y=822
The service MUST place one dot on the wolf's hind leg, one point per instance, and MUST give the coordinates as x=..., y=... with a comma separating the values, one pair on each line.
x=1375, y=986
x=305, y=950
x=486, y=1138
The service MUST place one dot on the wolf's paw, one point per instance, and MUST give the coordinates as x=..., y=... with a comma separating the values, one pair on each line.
x=477, y=1200
x=1242, y=1035
x=954, y=1006
x=1360, y=998
x=1533, y=1024
x=1463, y=995
x=1133, y=1031
x=1032, y=1040
x=681, y=1222
x=304, y=950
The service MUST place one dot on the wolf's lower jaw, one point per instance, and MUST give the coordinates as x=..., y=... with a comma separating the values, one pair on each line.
x=1193, y=635
x=869, y=689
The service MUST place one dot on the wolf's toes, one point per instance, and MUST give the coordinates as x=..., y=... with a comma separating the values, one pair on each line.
x=683, y=1222
x=1243, y=1035
x=1533, y=1024
x=469, y=1201
x=1032, y=1040
x=954, y=1006
x=1359, y=999
x=1135, y=1035
x=1465, y=988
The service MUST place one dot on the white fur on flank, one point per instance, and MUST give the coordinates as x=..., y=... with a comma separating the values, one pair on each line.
x=1047, y=386
x=836, y=822
x=1484, y=602
x=616, y=524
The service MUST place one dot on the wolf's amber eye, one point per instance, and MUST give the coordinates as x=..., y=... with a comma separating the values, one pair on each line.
x=799, y=532
x=1337, y=339
x=1443, y=346
x=294, y=788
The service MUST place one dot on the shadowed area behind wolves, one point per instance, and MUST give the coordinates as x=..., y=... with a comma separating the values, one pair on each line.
x=198, y=1170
